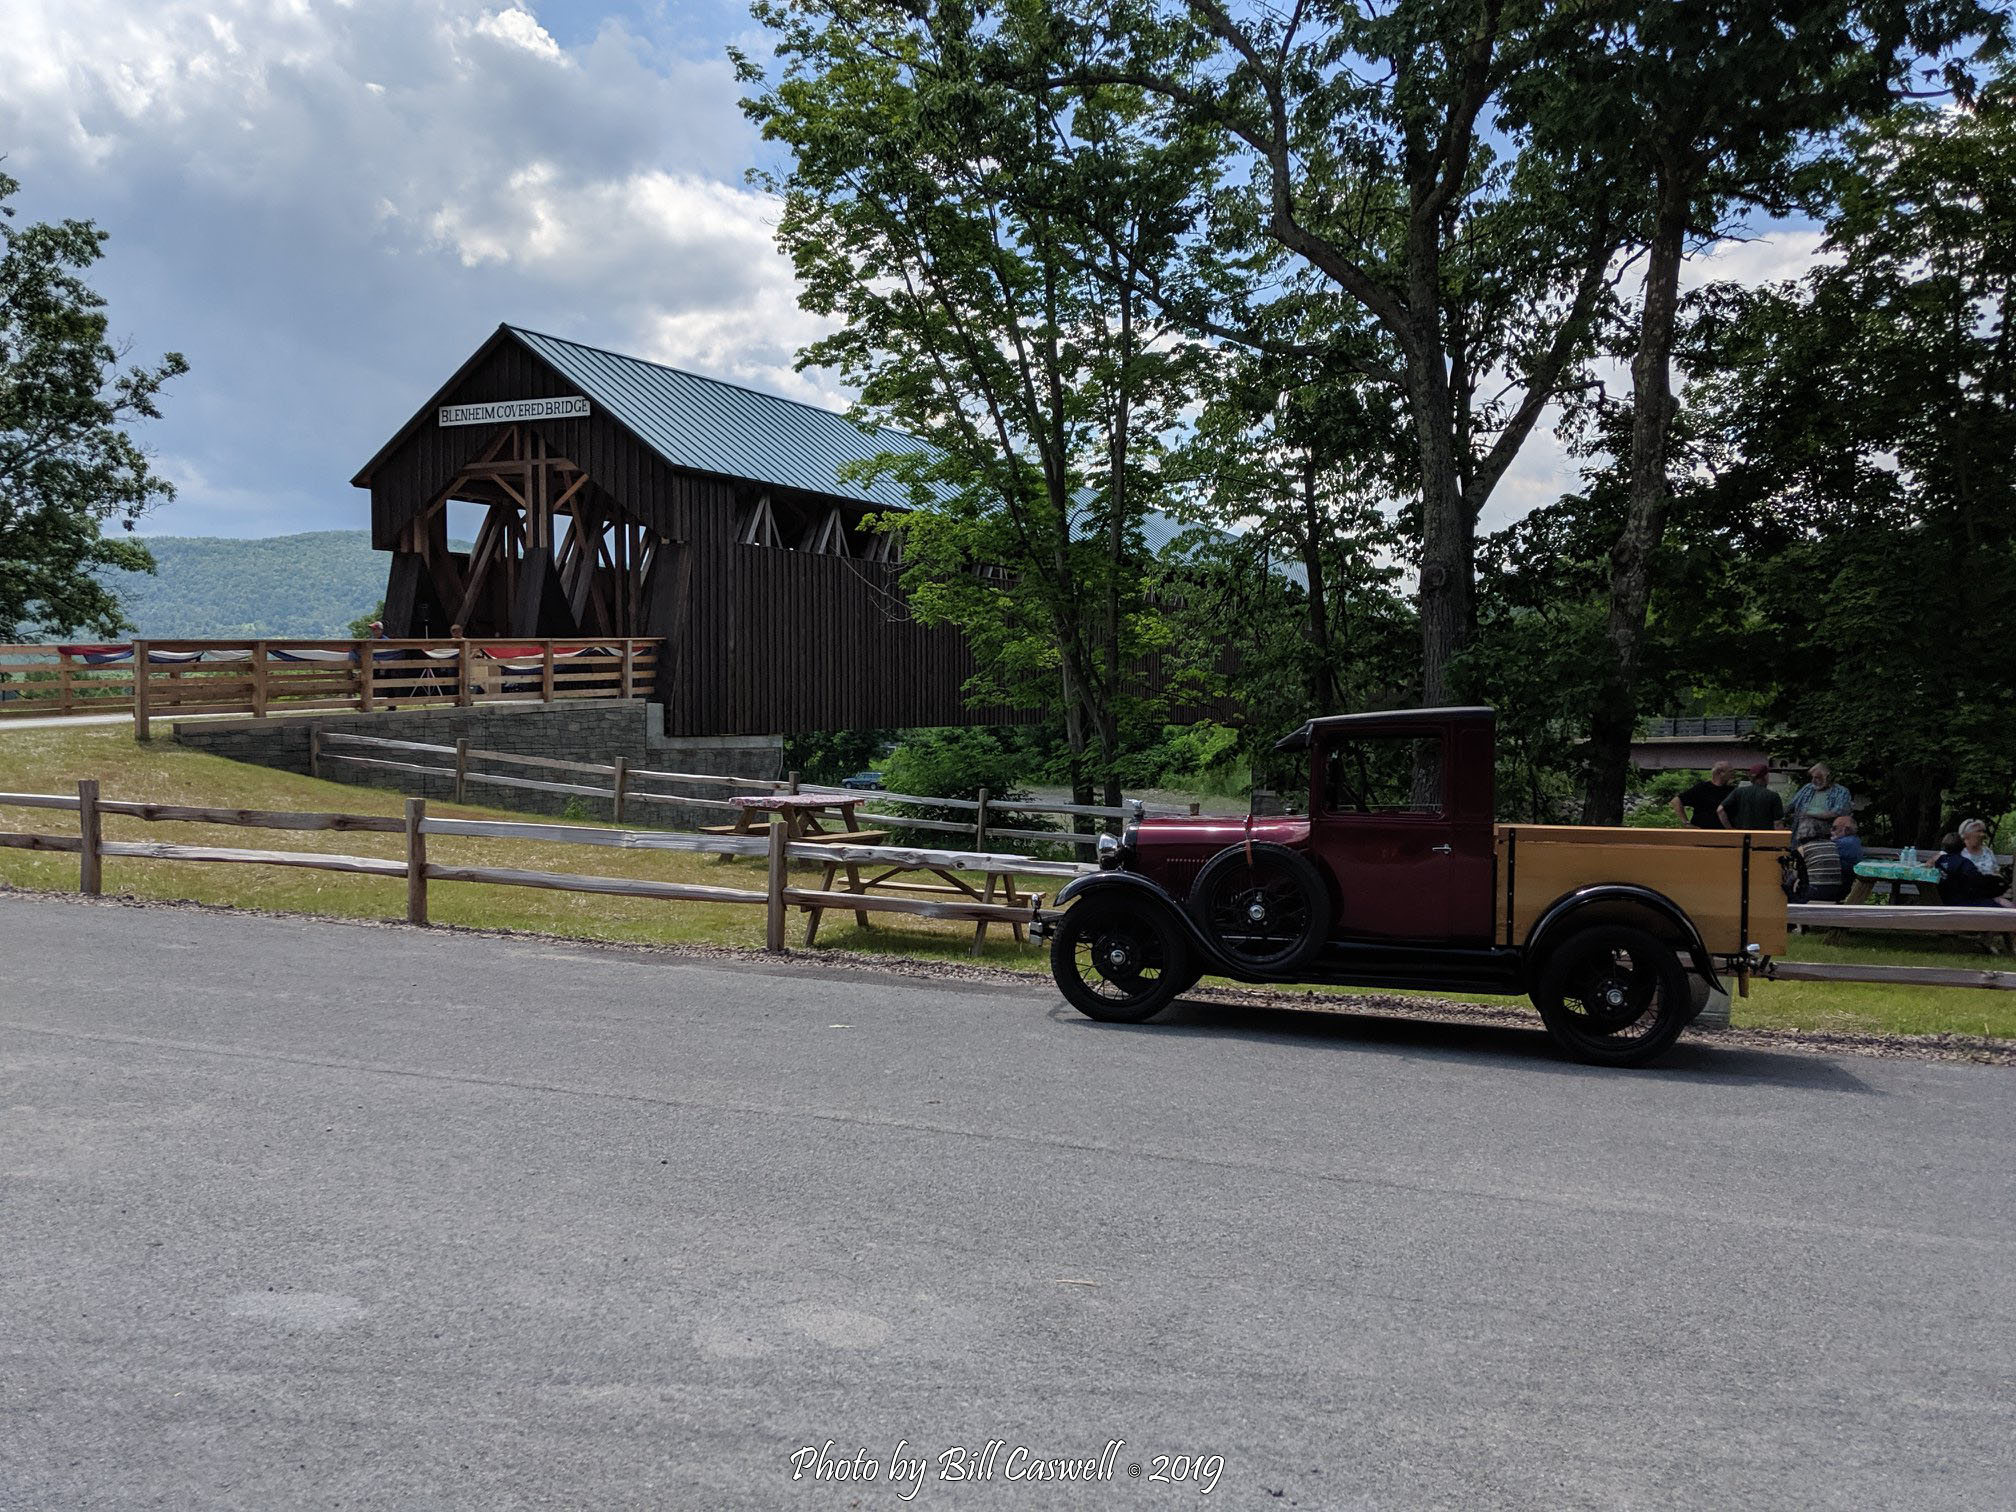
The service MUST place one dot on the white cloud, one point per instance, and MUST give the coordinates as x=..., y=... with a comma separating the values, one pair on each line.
x=521, y=28
x=328, y=205
x=1783, y=252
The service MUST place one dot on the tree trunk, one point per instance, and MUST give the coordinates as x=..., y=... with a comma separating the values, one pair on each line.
x=1444, y=594
x=1324, y=687
x=1615, y=718
x=1105, y=718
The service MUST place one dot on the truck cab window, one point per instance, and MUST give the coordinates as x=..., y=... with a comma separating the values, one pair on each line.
x=1384, y=774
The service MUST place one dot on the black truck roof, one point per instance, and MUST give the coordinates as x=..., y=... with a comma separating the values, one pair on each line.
x=1451, y=714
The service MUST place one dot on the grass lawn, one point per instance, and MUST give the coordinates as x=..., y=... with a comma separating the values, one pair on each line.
x=52, y=760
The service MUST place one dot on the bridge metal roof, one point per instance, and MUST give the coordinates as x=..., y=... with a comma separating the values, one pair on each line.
x=710, y=426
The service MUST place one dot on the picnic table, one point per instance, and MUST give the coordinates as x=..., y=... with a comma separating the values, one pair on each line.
x=998, y=887
x=802, y=813
x=1868, y=874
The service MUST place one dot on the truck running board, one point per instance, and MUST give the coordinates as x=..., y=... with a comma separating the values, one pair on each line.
x=1492, y=970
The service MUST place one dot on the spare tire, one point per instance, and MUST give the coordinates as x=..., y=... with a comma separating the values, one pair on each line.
x=1265, y=907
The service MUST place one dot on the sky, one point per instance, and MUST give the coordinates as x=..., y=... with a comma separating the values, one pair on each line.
x=327, y=205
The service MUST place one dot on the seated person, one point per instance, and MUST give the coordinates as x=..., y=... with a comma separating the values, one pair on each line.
x=1825, y=879
x=1848, y=843
x=1960, y=885
x=1974, y=846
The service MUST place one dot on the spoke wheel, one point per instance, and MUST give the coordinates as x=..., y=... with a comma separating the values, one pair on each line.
x=1614, y=996
x=1119, y=962
x=1269, y=912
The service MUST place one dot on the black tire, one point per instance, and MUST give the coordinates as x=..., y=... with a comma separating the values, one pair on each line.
x=1268, y=913
x=1118, y=961
x=1613, y=995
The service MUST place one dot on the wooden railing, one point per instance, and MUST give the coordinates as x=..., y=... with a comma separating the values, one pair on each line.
x=154, y=679
x=777, y=897
x=41, y=680
x=621, y=790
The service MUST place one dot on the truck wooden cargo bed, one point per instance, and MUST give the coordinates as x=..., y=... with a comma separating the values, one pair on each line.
x=1726, y=881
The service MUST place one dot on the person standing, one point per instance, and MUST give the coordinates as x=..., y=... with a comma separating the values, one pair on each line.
x=1701, y=805
x=1754, y=806
x=1817, y=804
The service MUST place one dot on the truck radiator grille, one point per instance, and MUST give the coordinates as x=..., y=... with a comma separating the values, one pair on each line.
x=1180, y=875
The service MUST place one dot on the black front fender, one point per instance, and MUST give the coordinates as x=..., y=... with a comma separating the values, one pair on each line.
x=1140, y=892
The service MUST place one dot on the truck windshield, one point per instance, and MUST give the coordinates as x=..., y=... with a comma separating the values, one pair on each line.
x=1281, y=782
x=1383, y=774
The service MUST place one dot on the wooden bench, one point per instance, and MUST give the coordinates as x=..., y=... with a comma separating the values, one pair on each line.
x=844, y=837
x=1000, y=887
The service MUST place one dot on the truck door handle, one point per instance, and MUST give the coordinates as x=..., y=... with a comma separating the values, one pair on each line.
x=1443, y=850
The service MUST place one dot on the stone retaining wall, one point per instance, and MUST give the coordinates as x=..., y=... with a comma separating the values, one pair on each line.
x=571, y=730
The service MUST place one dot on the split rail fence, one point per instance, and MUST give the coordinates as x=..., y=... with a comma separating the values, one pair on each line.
x=151, y=679
x=777, y=897
x=622, y=793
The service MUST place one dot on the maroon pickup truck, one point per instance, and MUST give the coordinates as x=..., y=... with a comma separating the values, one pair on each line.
x=1391, y=872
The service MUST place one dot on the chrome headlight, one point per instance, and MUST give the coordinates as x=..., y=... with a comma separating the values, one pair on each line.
x=1109, y=852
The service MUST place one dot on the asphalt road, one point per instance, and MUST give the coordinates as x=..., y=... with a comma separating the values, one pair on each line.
x=312, y=1214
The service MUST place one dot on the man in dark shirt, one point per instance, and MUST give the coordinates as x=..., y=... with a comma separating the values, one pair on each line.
x=1701, y=804
x=1754, y=806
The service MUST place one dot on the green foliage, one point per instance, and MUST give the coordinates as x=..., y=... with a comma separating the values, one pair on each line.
x=824, y=758
x=956, y=763
x=307, y=585
x=932, y=213
x=1196, y=758
x=1862, y=430
x=67, y=466
x=360, y=627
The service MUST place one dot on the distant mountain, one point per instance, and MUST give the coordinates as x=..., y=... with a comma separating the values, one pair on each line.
x=216, y=589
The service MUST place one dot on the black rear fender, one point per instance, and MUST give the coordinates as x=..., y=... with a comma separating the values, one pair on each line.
x=1618, y=903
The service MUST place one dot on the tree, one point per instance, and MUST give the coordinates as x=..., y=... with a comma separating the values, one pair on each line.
x=1860, y=435
x=923, y=210
x=1370, y=155
x=1706, y=110
x=67, y=465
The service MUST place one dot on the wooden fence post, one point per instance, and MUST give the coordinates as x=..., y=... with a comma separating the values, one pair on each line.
x=629, y=668
x=367, y=671
x=622, y=787
x=66, y=678
x=546, y=674
x=140, y=725
x=416, y=861
x=1196, y=809
x=791, y=779
x=314, y=750
x=980, y=823
x=463, y=695
x=780, y=876
x=259, y=679
x=90, y=861
x=461, y=767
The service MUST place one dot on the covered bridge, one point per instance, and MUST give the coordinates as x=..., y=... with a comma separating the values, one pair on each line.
x=625, y=498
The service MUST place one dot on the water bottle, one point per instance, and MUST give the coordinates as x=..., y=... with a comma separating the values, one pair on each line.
x=1909, y=855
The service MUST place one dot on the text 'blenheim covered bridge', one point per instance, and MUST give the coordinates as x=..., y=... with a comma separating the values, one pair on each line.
x=625, y=498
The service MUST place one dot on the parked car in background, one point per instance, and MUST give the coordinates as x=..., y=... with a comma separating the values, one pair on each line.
x=866, y=780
